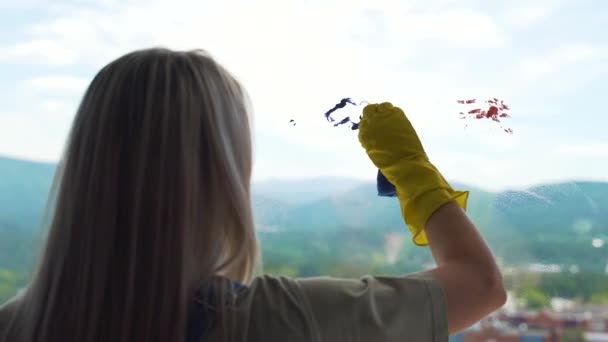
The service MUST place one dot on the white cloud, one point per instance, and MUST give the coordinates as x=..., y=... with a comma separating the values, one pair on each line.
x=22, y=4
x=592, y=149
x=528, y=13
x=56, y=84
x=399, y=25
x=55, y=106
x=60, y=111
x=273, y=29
x=536, y=67
x=469, y=28
x=39, y=51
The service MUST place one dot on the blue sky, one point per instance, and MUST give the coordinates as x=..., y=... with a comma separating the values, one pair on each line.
x=547, y=59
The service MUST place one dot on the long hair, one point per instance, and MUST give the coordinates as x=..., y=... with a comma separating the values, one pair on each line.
x=151, y=202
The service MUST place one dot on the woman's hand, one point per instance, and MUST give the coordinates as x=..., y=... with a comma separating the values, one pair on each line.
x=394, y=147
x=388, y=136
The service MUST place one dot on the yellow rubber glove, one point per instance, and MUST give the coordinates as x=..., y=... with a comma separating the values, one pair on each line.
x=392, y=144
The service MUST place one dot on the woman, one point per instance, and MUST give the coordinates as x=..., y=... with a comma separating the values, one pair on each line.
x=151, y=235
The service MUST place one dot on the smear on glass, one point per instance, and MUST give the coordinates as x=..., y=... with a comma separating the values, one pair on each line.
x=496, y=110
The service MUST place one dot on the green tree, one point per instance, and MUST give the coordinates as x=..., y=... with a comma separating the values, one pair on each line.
x=599, y=298
x=8, y=284
x=573, y=335
x=534, y=298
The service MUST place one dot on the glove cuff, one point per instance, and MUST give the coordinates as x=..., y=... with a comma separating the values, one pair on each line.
x=417, y=212
x=421, y=190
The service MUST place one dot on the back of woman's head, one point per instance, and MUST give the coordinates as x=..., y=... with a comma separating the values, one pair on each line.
x=151, y=201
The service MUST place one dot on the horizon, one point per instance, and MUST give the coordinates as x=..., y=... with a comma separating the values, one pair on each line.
x=357, y=181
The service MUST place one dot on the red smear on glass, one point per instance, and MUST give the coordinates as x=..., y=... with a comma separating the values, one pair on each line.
x=497, y=109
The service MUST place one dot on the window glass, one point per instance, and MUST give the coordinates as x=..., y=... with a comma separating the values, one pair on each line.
x=539, y=193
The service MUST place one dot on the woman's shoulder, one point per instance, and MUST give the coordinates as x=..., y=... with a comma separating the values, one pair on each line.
x=265, y=288
x=276, y=284
x=422, y=280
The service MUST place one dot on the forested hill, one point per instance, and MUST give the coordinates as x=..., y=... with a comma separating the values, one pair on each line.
x=552, y=223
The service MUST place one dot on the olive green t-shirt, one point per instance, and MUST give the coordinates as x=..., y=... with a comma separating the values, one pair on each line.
x=325, y=309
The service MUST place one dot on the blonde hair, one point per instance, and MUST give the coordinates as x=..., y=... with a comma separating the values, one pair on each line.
x=151, y=202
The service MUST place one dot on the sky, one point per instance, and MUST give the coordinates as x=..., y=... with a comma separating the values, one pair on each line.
x=547, y=59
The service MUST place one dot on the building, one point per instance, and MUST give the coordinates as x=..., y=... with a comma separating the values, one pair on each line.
x=497, y=329
x=575, y=323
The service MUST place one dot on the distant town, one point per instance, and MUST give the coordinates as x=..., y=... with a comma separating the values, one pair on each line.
x=565, y=321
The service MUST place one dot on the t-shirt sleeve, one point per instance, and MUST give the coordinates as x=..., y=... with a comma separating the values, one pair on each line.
x=410, y=308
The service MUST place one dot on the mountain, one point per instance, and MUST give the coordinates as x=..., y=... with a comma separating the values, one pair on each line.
x=558, y=222
x=355, y=208
x=303, y=191
x=552, y=223
x=24, y=187
x=269, y=213
x=361, y=208
x=581, y=206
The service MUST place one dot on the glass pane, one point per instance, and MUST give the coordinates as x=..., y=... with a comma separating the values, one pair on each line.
x=539, y=193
